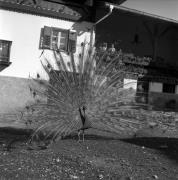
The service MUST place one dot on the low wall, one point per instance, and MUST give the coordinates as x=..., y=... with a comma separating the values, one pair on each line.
x=15, y=94
x=163, y=100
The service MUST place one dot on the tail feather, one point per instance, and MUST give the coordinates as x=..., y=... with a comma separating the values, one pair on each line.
x=90, y=83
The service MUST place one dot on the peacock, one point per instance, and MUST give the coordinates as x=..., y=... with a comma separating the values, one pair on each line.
x=83, y=94
x=85, y=122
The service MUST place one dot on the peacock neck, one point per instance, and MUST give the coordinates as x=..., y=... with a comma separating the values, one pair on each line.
x=82, y=115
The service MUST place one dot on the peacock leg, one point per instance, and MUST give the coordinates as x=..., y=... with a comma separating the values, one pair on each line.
x=78, y=135
x=83, y=135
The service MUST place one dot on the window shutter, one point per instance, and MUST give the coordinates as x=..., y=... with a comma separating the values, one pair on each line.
x=72, y=41
x=46, y=42
x=62, y=40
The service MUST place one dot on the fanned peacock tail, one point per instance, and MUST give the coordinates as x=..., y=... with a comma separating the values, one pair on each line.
x=90, y=83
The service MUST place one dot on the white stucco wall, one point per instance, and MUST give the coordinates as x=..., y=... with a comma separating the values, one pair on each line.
x=24, y=32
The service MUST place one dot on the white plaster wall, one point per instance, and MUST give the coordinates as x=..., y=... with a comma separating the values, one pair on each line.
x=155, y=87
x=24, y=32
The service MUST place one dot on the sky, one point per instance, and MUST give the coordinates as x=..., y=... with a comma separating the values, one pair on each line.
x=164, y=8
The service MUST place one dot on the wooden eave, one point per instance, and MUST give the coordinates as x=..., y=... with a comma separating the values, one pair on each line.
x=75, y=10
x=70, y=13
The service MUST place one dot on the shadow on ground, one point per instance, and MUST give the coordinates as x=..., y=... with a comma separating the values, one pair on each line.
x=167, y=146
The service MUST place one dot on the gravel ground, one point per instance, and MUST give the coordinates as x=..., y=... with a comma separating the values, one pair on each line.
x=97, y=157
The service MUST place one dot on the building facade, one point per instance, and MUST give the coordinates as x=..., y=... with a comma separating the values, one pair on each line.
x=149, y=44
x=30, y=31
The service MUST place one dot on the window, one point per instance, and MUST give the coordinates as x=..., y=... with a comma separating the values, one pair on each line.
x=155, y=87
x=169, y=88
x=130, y=83
x=5, y=50
x=55, y=38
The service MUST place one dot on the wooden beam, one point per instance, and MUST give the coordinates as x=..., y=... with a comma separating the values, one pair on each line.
x=167, y=29
x=155, y=36
x=38, y=11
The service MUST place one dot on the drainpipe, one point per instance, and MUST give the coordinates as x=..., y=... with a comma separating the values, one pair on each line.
x=111, y=7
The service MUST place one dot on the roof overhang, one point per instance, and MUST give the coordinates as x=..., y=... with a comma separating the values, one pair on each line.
x=47, y=8
x=87, y=2
x=141, y=13
x=72, y=10
x=118, y=2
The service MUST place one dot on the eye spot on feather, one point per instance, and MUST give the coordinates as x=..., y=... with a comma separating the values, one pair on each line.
x=48, y=66
x=68, y=64
x=37, y=75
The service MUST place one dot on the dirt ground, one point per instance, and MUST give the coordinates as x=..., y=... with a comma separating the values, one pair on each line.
x=98, y=157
